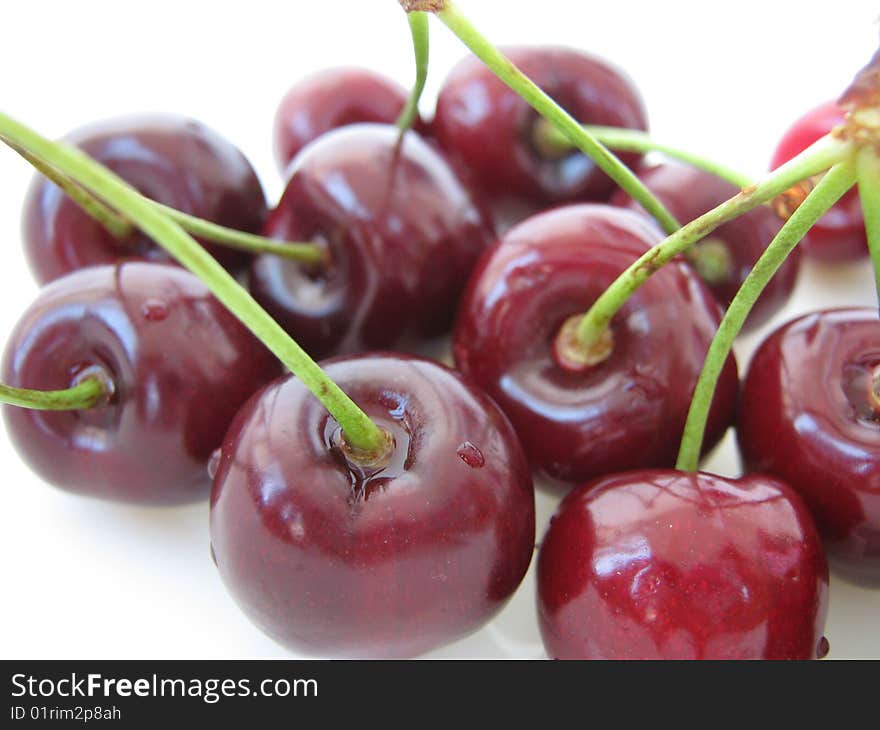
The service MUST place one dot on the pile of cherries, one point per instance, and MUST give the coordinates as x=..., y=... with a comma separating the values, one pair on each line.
x=473, y=224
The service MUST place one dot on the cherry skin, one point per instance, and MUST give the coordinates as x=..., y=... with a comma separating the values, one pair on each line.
x=402, y=236
x=625, y=412
x=724, y=259
x=173, y=160
x=485, y=126
x=332, y=559
x=180, y=364
x=332, y=98
x=810, y=414
x=659, y=564
x=839, y=235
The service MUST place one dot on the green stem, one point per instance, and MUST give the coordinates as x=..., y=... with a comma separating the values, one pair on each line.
x=307, y=253
x=833, y=184
x=87, y=394
x=502, y=67
x=360, y=432
x=868, y=175
x=815, y=159
x=120, y=228
x=418, y=26
x=92, y=206
x=634, y=140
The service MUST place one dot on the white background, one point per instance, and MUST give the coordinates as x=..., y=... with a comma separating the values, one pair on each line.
x=81, y=578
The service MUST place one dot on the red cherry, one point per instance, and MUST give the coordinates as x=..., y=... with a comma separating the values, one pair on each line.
x=181, y=366
x=725, y=258
x=624, y=413
x=402, y=235
x=839, y=235
x=173, y=160
x=674, y=565
x=488, y=128
x=810, y=414
x=333, y=98
x=329, y=558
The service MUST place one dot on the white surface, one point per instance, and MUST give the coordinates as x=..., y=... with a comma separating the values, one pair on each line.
x=84, y=579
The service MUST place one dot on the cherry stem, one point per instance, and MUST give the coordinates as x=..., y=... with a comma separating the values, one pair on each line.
x=94, y=207
x=359, y=430
x=305, y=253
x=840, y=178
x=121, y=228
x=85, y=394
x=815, y=159
x=620, y=139
x=418, y=26
x=868, y=175
x=505, y=70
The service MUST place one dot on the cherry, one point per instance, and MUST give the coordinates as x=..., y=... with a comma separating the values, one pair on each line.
x=725, y=258
x=488, y=128
x=659, y=564
x=173, y=160
x=810, y=414
x=402, y=236
x=840, y=234
x=336, y=558
x=332, y=98
x=180, y=365
x=625, y=412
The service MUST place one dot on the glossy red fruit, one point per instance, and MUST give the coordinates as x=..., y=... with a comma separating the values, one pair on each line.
x=181, y=365
x=624, y=413
x=674, y=565
x=839, y=235
x=810, y=414
x=723, y=259
x=334, y=97
x=402, y=235
x=486, y=127
x=173, y=160
x=332, y=560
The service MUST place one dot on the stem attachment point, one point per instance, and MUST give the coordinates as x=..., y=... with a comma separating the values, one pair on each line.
x=366, y=461
x=572, y=354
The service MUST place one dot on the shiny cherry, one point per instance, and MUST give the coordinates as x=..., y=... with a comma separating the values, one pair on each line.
x=173, y=160
x=180, y=364
x=334, y=97
x=331, y=558
x=491, y=131
x=672, y=565
x=839, y=235
x=402, y=235
x=810, y=414
x=625, y=412
x=723, y=259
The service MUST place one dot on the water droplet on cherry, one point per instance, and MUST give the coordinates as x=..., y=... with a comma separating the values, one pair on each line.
x=155, y=310
x=471, y=455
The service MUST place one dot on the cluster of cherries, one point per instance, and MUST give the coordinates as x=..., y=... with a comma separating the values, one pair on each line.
x=478, y=224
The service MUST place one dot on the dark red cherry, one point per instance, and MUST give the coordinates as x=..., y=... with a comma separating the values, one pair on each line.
x=839, y=235
x=334, y=97
x=723, y=259
x=173, y=160
x=181, y=366
x=332, y=559
x=625, y=412
x=810, y=414
x=673, y=565
x=402, y=235
x=486, y=127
